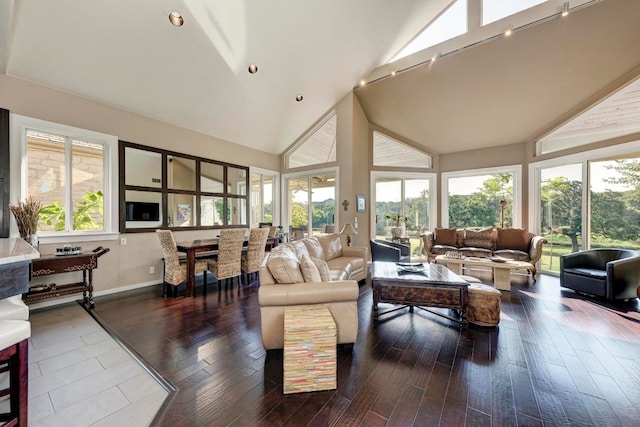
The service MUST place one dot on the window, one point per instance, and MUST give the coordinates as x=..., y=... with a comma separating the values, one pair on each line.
x=389, y=152
x=494, y=10
x=263, y=196
x=319, y=146
x=573, y=215
x=311, y=203
x=179, y=191
x=482, y=198
x=409, y=195
x=615, y=116
x=71, y=172
x=451, y=23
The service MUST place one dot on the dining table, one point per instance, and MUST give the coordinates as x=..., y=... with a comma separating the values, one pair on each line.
x=193, y=247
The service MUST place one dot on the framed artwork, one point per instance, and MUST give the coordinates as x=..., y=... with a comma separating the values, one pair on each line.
x=184, y=212
x=361, y=204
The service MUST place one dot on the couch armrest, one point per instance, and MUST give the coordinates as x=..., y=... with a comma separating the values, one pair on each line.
x=356, y=252
x=535, y=249
x=427, y=243
x=308, y=293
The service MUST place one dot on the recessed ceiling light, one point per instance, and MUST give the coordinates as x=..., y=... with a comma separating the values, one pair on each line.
x=176, y=19
x=253, y=68
x=299, y=98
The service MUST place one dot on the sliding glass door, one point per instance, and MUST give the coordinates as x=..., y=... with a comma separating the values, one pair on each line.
x=403, y=200
x=311, y=203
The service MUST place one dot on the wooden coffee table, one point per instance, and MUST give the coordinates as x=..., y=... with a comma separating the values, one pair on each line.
x=501, y=270
x=434, y=285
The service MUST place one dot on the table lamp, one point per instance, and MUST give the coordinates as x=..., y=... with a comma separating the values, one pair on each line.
x=348, y=230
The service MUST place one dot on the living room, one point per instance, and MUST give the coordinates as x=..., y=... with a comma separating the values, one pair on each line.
x=598, y=72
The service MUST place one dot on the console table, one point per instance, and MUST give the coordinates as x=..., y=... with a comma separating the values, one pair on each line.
x=53, y=264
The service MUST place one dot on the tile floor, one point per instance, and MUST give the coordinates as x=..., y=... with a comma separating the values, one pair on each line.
x=80, y=376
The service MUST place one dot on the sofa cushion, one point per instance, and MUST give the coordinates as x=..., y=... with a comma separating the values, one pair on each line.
x=331, y=245
x=587, y=272
x=323, y=269
x=298, y=247
x=340, y=268
x=284, y=266
x=310, y=272
x=314, y=247
x=446, y=236
x=512, y=254
x=442, y=249
x=512, y=238
x=477, y=252
x=478, y=238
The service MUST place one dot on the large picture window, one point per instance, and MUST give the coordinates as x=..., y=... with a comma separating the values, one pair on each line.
x=69, y=171
x=482, y=198
x=591, y=200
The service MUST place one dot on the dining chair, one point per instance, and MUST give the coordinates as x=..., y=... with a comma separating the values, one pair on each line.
x=175, y=268
x=227, y=265
x=254, y=255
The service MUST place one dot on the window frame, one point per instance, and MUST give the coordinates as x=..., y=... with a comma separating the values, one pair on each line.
x=583, y=158
x=19, y=174
x=333, y=113
x=433, y=194
x=515, y=170
x=275, y=197
x=165, y=191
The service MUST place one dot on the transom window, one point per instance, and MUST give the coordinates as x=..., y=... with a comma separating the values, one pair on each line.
x=390, y=152
x=319, y=146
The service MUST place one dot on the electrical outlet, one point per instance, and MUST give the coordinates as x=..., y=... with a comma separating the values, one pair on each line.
x=123, y=241
x=152, y=270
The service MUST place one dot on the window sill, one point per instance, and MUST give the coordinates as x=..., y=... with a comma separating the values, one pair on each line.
x=46, y=239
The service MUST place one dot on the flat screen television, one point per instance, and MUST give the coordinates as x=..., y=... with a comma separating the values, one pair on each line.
x=142, y=211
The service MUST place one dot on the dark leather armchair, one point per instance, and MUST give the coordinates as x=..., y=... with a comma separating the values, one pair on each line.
x=609, y=273
x=383, y=250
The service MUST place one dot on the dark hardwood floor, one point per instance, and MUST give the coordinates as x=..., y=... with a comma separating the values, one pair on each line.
x=556, y=359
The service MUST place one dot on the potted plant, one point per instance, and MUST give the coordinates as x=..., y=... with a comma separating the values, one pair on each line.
x=399, y=219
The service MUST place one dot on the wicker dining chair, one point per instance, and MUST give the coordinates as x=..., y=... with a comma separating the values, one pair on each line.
x=175, y=269
x=254, y=256
x=227, y=265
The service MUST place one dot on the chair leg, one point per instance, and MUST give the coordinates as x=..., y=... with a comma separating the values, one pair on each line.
x=204, y=283
x=16, y=357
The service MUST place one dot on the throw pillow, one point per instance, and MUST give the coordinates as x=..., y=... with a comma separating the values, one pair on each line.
x=284, y=267
x=478, y=238
x=314, y=247
x=323, y=268
x=446, y=236
x=512, y=238
x=310, y=272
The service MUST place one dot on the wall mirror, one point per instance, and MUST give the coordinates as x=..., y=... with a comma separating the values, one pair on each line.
x=165, y=189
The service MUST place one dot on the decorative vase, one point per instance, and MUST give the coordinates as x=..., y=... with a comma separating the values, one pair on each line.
x=397, y=231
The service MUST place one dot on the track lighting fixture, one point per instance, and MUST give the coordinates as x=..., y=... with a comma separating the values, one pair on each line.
x=509, y=30
x=565, y=8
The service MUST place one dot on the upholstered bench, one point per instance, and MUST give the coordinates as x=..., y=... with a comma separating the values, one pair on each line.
x=484, y=305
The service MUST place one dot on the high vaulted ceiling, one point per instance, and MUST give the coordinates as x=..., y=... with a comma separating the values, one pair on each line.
x=509, y=90
x=127, y=54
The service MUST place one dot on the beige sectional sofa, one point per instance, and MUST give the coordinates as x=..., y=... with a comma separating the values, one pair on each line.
x=512, y=243
x=313, y=270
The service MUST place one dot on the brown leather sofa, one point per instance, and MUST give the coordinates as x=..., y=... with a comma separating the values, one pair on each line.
x=511, y=243
x=338, y=291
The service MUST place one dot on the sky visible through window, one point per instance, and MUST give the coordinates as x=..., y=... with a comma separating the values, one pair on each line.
x=453, y=22
x=450, y=24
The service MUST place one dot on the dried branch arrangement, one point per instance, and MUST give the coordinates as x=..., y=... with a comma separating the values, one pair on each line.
x=26, y=214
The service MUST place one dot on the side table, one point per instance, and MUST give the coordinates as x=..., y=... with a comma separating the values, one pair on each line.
x=54, y=264
x=309, y=349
